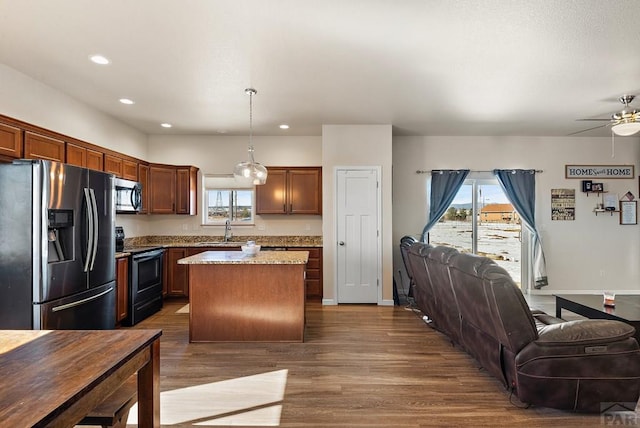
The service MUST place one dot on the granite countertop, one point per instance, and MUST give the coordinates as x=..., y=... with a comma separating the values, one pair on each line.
x=218, y=241
x=238, y=257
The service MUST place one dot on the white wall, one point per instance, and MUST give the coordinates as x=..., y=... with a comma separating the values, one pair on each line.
x=218, y=155
x=356, y=145
x=26, y=99
x=590, y=254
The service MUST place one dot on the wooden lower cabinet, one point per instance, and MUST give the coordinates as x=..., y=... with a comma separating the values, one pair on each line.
x=177, y=275
x=122, y=288
x=313, y=279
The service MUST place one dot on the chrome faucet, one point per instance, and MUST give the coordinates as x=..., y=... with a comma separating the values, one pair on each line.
x=227, y=231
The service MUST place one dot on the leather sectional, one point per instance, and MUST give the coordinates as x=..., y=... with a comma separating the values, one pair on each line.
x=572, y=365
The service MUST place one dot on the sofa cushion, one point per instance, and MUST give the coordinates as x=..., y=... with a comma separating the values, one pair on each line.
x=584, y=332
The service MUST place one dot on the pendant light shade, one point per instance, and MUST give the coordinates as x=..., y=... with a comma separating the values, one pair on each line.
x=250, y=169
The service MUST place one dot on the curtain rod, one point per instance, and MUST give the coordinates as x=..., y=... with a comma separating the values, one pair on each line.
x=423, y=171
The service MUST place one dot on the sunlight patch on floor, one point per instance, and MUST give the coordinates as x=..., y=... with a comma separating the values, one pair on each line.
x=249, y=401
x=183, y=310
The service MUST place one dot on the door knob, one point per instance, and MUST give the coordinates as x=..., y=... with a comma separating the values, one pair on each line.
x=341, y=243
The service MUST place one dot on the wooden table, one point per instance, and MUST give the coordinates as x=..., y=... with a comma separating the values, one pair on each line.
x=627, y=308
x=233, y=297
x=54, y=378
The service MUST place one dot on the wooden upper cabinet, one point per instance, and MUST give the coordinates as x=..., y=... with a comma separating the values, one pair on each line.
x=38, y=146
x=129, y=170
x=271, y=197
x=305, y=191
x=143, y=178
x=113, y=165
x=10, y=141
x=187, y=190
x=162, y=185
x=95, y=160
x=294, y=190
x=84, y=157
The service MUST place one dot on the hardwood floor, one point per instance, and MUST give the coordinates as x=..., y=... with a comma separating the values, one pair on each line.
x=360, y=366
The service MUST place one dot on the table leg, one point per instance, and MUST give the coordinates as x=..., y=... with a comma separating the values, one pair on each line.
x=149, y=390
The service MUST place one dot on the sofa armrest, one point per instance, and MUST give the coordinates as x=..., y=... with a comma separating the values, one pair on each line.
x=584, y=332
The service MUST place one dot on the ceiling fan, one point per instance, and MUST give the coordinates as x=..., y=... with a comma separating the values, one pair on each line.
x=624, y=123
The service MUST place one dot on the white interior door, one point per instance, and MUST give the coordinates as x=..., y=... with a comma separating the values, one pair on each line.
x=357, y=226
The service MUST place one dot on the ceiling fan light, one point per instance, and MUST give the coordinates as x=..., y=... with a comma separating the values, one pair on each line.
x=625, y=129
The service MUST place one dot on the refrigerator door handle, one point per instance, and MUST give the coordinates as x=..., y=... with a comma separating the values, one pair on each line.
x=94, y=213
x=81, y=302
x=87, y=200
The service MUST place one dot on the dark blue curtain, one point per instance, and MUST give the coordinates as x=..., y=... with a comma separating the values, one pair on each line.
x=520, y=187
x=445, y=184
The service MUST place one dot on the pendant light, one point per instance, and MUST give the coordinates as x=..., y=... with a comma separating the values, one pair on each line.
x=251, y=169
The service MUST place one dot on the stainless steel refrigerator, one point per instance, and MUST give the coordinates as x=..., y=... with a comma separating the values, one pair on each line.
x=57, y=247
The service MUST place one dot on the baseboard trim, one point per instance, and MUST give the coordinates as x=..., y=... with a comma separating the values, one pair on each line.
x=329, y=302
x=591, y=291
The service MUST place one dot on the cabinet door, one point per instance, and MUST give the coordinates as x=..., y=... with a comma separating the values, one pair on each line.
x=143, y=177
x=95, y=160
x=313, y=278
x=76, y=155
x=162, y=184
x=305, y=191
x=178, y=275
x=186, y=190
x=122, y=287
x=129, y=170
x=38, y=146
x=10, y=141
x=113, y=165
x=271, y=196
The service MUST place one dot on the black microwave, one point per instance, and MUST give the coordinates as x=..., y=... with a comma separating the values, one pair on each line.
x=128, y=196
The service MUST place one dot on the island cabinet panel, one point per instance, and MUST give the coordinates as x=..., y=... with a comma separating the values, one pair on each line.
x=122, y=288
x=143, y=178
x=246, y=302
x=84, y=157
x=177, y=275
x=293, y=190
x=38, y=146
x=162, y=185
x=10, y=141
x=113, y=165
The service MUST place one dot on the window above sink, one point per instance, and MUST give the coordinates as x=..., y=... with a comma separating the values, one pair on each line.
x=227, y=199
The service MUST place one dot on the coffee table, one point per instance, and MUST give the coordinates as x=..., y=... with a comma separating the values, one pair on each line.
x=627, y=308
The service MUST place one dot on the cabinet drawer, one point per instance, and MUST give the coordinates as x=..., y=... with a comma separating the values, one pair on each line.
x=313, y=273
x=313, y=264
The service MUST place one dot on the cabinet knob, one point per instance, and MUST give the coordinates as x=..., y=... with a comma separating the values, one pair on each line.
x=341, y=243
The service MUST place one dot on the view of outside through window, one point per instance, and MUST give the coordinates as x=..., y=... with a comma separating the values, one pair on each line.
x=498, y=226
x=234, y=205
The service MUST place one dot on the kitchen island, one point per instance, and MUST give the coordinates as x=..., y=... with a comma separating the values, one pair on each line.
x=234, y=297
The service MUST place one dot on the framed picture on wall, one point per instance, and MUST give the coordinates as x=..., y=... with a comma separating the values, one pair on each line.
x=628, y=212
x=597, y=187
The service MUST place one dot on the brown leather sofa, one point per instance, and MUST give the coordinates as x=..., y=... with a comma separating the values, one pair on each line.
x=572, y=365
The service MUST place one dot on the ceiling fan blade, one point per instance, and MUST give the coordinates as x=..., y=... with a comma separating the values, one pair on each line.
x=588, y=129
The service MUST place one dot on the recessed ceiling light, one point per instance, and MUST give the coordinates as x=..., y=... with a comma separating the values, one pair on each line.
x=284, y=126
x=165, y=125
x=99, y=59
x=126, y=101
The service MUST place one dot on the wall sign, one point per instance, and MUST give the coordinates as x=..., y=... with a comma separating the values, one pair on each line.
x=563, y=204
x=599, y=171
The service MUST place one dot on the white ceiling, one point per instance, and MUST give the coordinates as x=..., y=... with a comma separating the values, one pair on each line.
x=428, y=67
